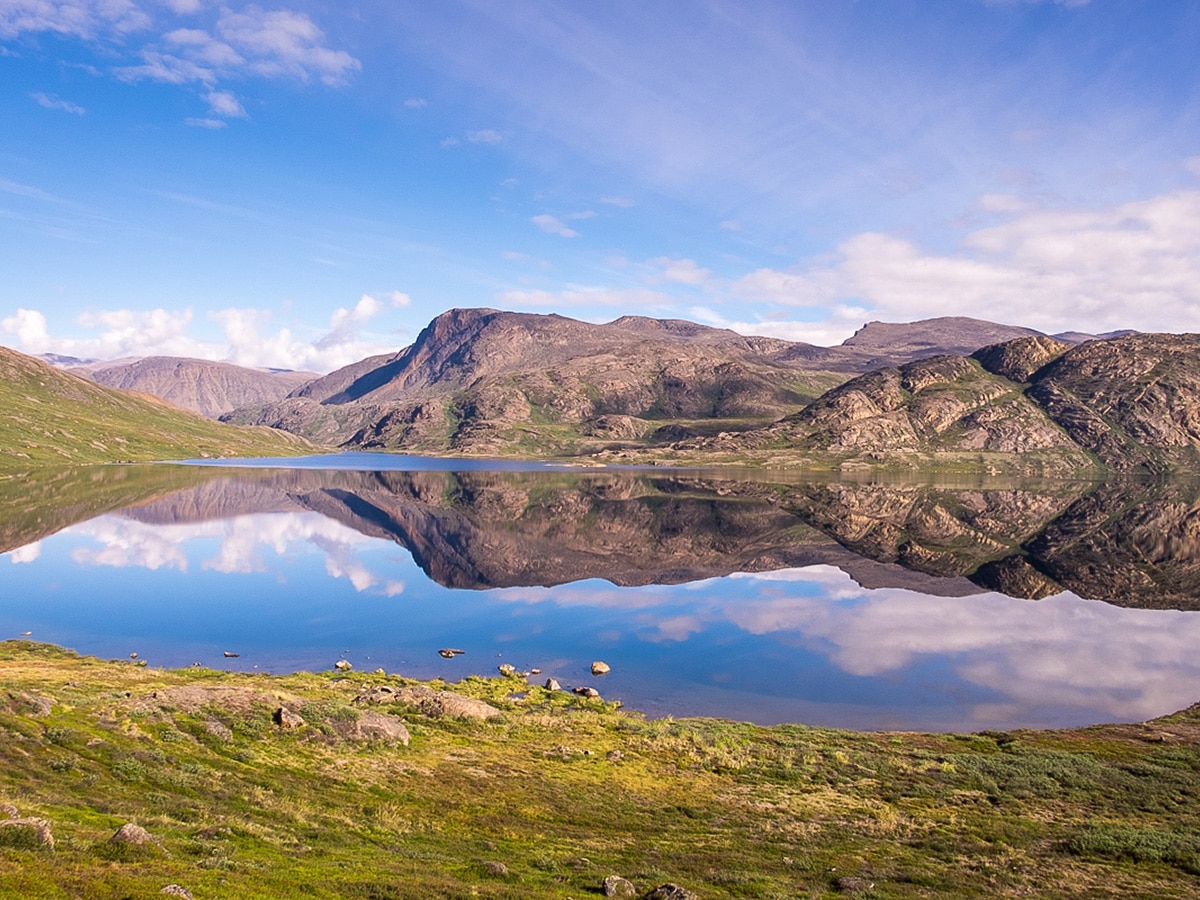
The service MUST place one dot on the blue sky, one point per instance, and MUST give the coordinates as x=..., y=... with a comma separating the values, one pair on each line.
x=301, y=184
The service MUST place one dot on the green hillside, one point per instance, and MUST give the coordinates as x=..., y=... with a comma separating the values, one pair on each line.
x=51, y=417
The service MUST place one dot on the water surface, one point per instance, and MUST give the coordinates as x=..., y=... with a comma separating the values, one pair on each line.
x=863, y=604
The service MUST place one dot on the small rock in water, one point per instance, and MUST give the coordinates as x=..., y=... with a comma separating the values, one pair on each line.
x=133, y=655
x=507, y=669
x=379, y=671
x=343, y=665
x=535, y=671
x=600, y=668
x=584, y=691
x=450, y=653
x=26, y=633
x=229, y=655
x=552, y=685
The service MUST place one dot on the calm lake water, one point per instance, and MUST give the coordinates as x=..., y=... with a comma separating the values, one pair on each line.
x=872, y=605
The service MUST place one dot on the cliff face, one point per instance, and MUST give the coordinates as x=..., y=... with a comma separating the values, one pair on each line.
x=209, y=388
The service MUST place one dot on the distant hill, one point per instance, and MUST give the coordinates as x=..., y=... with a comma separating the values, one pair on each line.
x=48, y=416
x=482, y=380
x=209, y=388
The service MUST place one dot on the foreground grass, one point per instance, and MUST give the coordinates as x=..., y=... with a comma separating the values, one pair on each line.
x=557, y=793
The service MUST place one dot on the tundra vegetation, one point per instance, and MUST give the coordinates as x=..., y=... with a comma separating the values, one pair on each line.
x=260, y=785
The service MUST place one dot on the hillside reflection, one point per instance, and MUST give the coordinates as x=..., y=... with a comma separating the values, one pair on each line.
x=862, y=604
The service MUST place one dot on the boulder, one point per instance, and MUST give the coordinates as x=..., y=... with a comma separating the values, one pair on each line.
x=600, y=668
x=175, y=890
x=553, y=685
x=374, y=726
x=589, y=692
x=134, y=835
x=430, y=702
x=616, y=886
x=286, y=718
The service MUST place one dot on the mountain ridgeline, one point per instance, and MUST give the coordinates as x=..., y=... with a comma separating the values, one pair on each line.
x=1007, y=399
x=488, y=382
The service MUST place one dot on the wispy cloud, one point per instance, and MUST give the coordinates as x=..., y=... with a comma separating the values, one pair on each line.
x=552, y=225
x=49, y=101
x=219, y=43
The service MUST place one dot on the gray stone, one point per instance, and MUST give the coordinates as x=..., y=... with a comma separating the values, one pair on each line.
x=286, y=718
x=583, y=691
x=175, y=890
x=343, y=665
x=552, y=685
x=616, y=886
x=496, y=868
x=374, y=726
x=600, y=668
x=430, y=702
x=132, y=834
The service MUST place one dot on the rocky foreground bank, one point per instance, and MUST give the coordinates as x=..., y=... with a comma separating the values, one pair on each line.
x=128, y=781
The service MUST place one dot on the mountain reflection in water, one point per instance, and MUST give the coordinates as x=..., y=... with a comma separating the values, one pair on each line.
x=865, y=604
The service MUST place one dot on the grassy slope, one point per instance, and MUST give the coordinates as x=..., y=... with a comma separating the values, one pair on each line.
x=564, y=792
x=50, y=417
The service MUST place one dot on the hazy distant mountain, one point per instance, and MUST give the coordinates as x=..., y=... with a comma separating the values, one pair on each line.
x=52, y=417
x=209, y=388
x=481, y=380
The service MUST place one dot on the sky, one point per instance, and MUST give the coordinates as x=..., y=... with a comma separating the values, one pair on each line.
x=302, y=184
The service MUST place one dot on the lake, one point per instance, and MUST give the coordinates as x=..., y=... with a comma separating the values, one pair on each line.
x=769, y=597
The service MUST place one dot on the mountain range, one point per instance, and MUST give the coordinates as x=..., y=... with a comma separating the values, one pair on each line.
x=951, y=392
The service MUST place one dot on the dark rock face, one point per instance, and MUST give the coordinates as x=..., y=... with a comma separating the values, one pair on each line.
x=209, y=388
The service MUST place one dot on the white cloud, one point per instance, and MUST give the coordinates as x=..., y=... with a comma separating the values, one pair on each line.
x=679, y=271
x=1135, y=265
x=583, y=214
x=551, y=225
x=49, y=101
x=247, y=339
x=27, y=554
x=284, y=43
x=416, y=103
x=205, y=123
x=184, y=7
x=78, y=18
x=223, y=103
x=620, y=202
